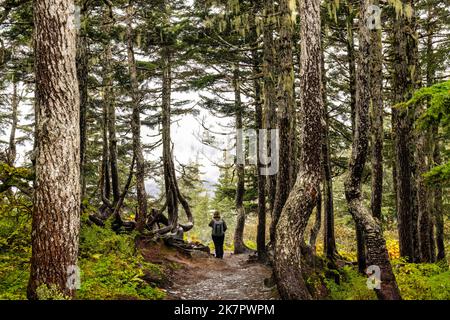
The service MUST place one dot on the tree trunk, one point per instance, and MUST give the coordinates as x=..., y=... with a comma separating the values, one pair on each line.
x=425, y=224
x=261, y=179
x=377, y=133
x=269, y=92
x=435, y=192
x=286, y=110
x=303, y=198
x=438, y=207
x=173, y=194
x=377, y=254
x=317, y=224
x=239, y=245
x=82, y=75
x=405, y=49
x=105, y=181
x=12, y=150
x=56, y=212
x=329, y=240
x=169, y=169
x=141, y=216
x=110, y=103
x=351, y=58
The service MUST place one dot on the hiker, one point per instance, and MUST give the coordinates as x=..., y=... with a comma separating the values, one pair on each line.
x=219, y=227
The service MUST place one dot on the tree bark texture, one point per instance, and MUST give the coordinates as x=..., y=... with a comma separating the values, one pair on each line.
x=56, y=212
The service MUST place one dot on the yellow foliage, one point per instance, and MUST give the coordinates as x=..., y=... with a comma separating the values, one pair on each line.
x=393, y=248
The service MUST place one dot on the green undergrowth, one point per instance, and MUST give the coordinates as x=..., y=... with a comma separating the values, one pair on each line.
x=424, y=281
x=110, y=266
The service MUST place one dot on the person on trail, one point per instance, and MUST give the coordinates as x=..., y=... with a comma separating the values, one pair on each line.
x=219, y=227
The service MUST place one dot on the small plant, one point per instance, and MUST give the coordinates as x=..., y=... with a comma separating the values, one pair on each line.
x=50, y=292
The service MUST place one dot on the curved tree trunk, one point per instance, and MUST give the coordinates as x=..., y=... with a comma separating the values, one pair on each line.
x=173, y=194
x=377, y=254
x=56, y=213
x=303, y=198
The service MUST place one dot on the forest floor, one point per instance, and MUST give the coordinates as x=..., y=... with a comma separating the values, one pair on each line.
x=203, y=277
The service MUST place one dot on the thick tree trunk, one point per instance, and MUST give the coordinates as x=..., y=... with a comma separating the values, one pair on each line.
x=239, y=245
x=377, y=254
x=405, y=50
x=286, y=113
x=56, y=213
x=303, y=198
x=141, y=216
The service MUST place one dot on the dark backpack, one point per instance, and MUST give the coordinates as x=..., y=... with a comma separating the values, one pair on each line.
x=218, y=230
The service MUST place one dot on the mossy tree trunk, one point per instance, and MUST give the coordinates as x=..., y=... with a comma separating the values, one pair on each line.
x=304, y=195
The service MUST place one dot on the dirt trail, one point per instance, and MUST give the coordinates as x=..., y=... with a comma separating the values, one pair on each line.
x=233, y=278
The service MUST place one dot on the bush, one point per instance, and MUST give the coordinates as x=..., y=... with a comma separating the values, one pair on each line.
x=424, y=281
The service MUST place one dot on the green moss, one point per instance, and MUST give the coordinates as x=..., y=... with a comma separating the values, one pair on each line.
x=110, y=266
x=352, y=287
